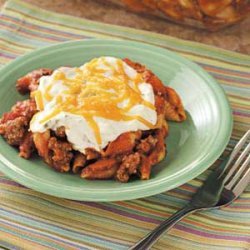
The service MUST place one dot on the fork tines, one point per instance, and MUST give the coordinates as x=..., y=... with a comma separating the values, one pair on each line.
x=238, y=176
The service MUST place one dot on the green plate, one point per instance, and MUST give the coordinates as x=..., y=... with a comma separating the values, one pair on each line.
x=192, y=145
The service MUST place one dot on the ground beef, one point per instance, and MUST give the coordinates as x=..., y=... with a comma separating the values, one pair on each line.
x=61, y=154
x=14, y=130
x=27, y=146
x=160, y=105
x=146, y=145
x=29, y=82
x=156, y=155
x=26, y=108
x=132, y=153
x=60, y=132
x=14, y=124
x=129, y=166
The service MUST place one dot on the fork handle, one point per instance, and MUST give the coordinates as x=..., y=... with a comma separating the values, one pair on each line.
x=146, y=242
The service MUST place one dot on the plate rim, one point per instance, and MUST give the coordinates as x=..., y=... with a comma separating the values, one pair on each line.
x=28, y=180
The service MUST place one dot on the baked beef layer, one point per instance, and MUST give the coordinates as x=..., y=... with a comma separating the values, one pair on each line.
x=131, y=154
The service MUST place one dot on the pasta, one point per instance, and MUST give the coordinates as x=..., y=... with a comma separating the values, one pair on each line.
x=206, y=14
x=132, y=153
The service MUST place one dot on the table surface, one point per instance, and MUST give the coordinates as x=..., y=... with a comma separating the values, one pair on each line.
x=235, y=38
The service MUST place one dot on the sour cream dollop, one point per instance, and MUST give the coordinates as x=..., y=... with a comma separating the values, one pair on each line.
x=95, y=102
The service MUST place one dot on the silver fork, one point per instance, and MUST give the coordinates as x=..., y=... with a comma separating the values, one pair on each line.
x=221, y=187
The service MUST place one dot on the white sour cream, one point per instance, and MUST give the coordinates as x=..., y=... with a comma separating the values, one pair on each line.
x=62, y=97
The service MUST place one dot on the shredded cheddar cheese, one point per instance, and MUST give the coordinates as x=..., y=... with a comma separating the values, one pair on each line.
x=92, y=93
